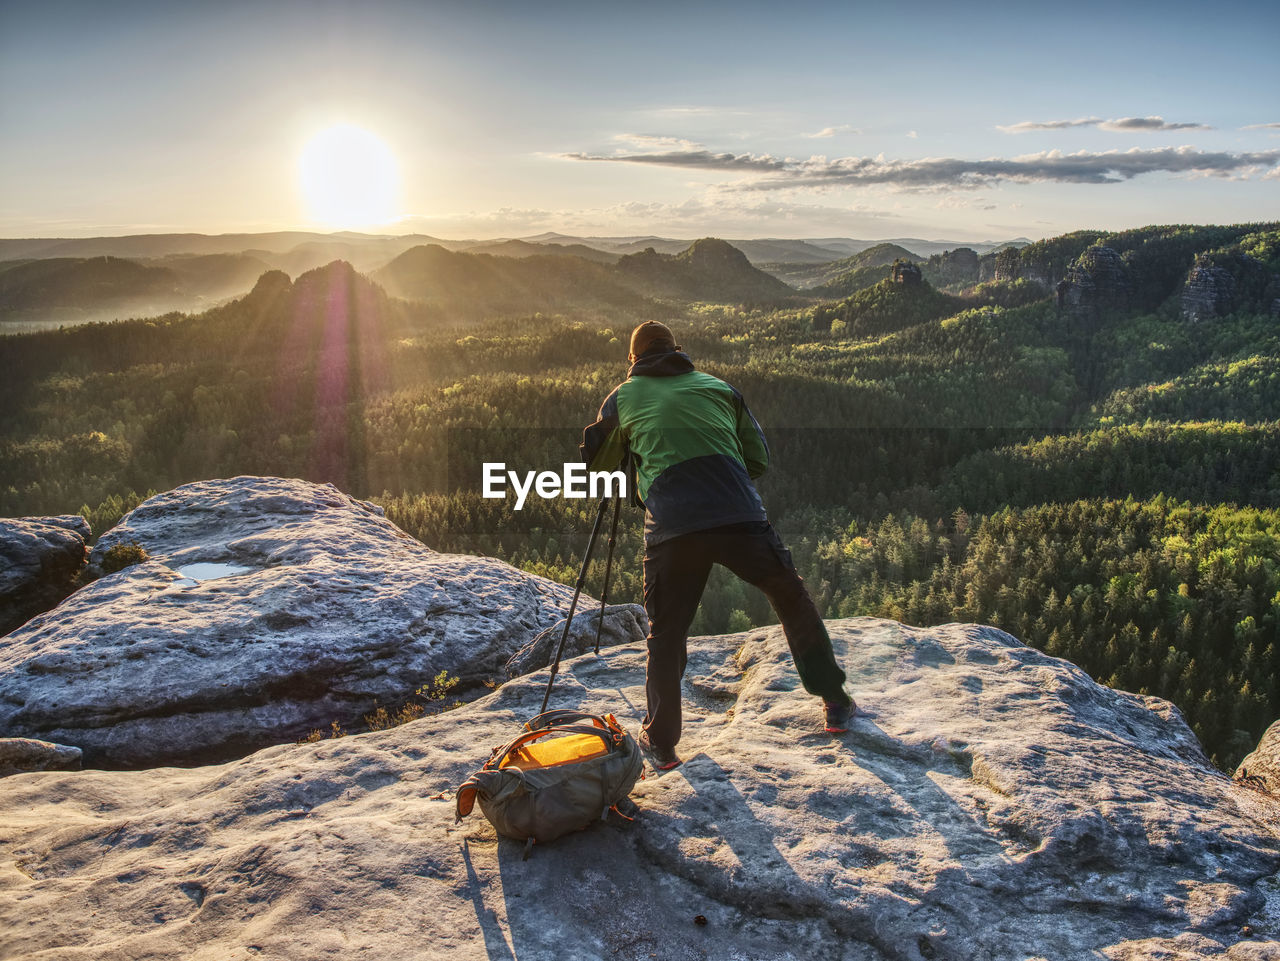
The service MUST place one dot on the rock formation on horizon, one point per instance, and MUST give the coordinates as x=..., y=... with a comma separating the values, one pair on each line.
x=1097, y=281
x=1223, y=281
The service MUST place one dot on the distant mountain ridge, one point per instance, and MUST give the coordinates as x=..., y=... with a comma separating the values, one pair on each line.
x=370, y=251
x=525, y=248
x=82, y=289
x=80, y=282
x=1216, y=270
x=163, y=245
x=519, y=278
x=707, y=269
x=466, y=282
x=773, y=251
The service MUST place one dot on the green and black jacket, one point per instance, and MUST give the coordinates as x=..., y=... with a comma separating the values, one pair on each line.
x=694, y=445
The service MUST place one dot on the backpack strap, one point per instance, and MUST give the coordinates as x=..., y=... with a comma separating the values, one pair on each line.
x=559, y=716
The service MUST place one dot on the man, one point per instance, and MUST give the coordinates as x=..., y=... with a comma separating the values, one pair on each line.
x=696, y=448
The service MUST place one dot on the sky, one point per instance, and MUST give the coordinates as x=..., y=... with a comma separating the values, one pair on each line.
x=963, y=121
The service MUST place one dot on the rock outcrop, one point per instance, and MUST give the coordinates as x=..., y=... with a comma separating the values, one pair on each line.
x=40, y=559
x=992, y=803
x=906, y=273
x=1224, y=281
x=21, y=755
x=1098, y=280
x=621, y=624
x=959, y=266
x=1011, y=264
x=1261, y=768
x=1208, y=293
x=269, y=608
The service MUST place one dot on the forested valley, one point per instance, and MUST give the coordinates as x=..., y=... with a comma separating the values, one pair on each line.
x=1077, y=441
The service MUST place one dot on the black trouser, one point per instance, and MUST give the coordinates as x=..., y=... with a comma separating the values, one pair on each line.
x=675, y=573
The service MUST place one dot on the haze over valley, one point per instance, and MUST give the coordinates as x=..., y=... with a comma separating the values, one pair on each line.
x=47, y=283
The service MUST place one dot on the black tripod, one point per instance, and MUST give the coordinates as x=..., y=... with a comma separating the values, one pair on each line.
x=582, y=577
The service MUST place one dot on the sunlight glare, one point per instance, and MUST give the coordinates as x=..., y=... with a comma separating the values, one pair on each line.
x=349, y=178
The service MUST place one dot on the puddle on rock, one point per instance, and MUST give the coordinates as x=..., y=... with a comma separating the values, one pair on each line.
x=193, y=574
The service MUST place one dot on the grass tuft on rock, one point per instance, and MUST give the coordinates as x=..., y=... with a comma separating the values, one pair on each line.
x=120, y=556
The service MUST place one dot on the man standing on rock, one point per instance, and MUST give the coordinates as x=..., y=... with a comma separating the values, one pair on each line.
x=696, y=449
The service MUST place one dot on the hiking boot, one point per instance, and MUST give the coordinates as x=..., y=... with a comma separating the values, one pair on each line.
x=662, y=758
x=838, y=716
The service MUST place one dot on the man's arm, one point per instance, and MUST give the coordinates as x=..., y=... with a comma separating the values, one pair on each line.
x=603, y=443
x=755, y=449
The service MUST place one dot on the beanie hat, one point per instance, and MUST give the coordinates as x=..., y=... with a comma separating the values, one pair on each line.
x=651, y=334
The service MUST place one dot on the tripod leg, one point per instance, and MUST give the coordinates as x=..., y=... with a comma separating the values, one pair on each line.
x=573, y=606
x=608, y=569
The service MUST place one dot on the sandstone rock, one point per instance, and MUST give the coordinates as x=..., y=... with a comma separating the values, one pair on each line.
x=1208, y=293
x=18, y=755
x=1262, y=767
x=905, y=272
x=1221, y=282
x=1098, y=280
x=40, y=559
x=1011, y=264
x=68, y=522
x=959, y=266
x=994, y=803
x=327, y=609
x=1193, y=947
x=623, y=624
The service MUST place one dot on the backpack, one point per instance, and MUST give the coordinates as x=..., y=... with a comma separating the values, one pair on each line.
x=565, y=770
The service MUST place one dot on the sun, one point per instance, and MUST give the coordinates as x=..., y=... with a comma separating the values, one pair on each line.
x=349, y=178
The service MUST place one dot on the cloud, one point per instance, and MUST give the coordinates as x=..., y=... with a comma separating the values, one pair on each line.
x=1149, y=124
x=1050, y=124
x=912, y=134
x=693, y=158
x=765, y=172
x=649, y=141
x=1262, y=126
x=827, y=132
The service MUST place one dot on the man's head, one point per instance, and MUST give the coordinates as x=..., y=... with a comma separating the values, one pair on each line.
x=648, y=335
